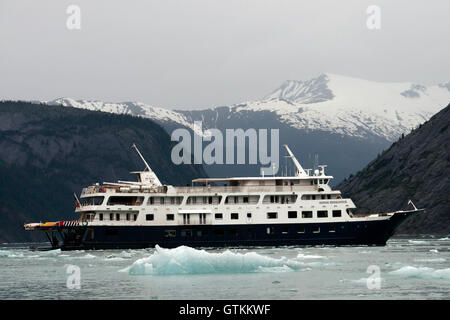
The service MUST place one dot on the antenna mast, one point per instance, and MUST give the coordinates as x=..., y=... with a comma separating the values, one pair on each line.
x=300, y=171
x=140, y=155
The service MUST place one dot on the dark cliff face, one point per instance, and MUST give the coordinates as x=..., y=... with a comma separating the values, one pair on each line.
x=416, y=167
x=47, y=153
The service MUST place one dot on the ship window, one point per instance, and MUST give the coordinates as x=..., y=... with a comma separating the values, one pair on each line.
x=269, y=230
x=218, y=216
x=323, y=196
x=306, y=214
x=149, y=217
x=245, y=199
x=322, y=214
x=337, y=213
x=316, y=229
x=111, y=216
x=186, y=233
x=118, y=216
x=170, y=233
x=161, y=200
x=186, y=218
x=328, y=196
x=249, y=215
x=134, y=217
x=151, y=200
x=272, y=215
x=128, y=216
x=170, y=217
x=332, y=229
x=210, y=200
x=125, y=201
x=325, y=181
x=234, y=216
x=202, y=233
x=292, y=214
x=301, y=230
x=92, y=201
x=313, y=197
x=285, y=230
x=100, y=216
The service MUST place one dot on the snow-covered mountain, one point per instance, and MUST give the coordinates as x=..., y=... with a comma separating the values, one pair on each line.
x=346, y=121
x=332, y=103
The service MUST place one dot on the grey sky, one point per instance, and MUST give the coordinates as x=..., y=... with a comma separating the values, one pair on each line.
x=197, y=53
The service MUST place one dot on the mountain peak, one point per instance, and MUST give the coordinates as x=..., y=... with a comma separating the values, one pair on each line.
x=308, y=91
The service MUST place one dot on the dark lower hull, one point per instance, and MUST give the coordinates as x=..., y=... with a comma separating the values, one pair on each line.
x=307, y=234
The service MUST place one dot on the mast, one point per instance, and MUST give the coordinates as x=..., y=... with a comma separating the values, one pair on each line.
x=300, y=171
x=140, y=155
x=146, y=177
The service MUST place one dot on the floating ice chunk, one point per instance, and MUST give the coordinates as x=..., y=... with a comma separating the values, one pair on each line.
x=87, y=256
x=417, y=242
x=186, y=260
x=11, y=254
x=422, y=272
x=446, y=238
x=114, y=259
x=5, y=253
x=434, y=250
x=50, y=252
x=431, y=260
x=306, y=256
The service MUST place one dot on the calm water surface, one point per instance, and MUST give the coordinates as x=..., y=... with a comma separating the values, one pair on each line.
x=408, y=269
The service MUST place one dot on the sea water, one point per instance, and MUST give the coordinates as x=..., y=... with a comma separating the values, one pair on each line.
x=403, y=269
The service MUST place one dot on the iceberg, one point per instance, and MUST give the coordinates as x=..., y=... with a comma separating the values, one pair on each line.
x=422, y=272
x=186, y=260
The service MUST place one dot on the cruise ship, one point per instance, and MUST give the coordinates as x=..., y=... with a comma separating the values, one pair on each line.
x=301, y=209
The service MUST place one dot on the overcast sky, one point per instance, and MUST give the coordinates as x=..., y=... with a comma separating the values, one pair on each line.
x=203, y=53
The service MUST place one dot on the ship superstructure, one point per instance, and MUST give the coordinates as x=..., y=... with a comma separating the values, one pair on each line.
x=301, y=209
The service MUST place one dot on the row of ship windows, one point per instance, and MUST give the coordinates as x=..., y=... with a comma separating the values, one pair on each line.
x=234, y=232
x=217, y=216
x=270, y=215
x=193, y=200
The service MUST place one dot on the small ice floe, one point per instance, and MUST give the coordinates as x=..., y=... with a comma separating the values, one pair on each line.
x=309, y=256
x=431, y=260
x=186, y=260
x=54, y=252
x=114, y=258
x=422, y=272
x=417, y=241
x=434, y=250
